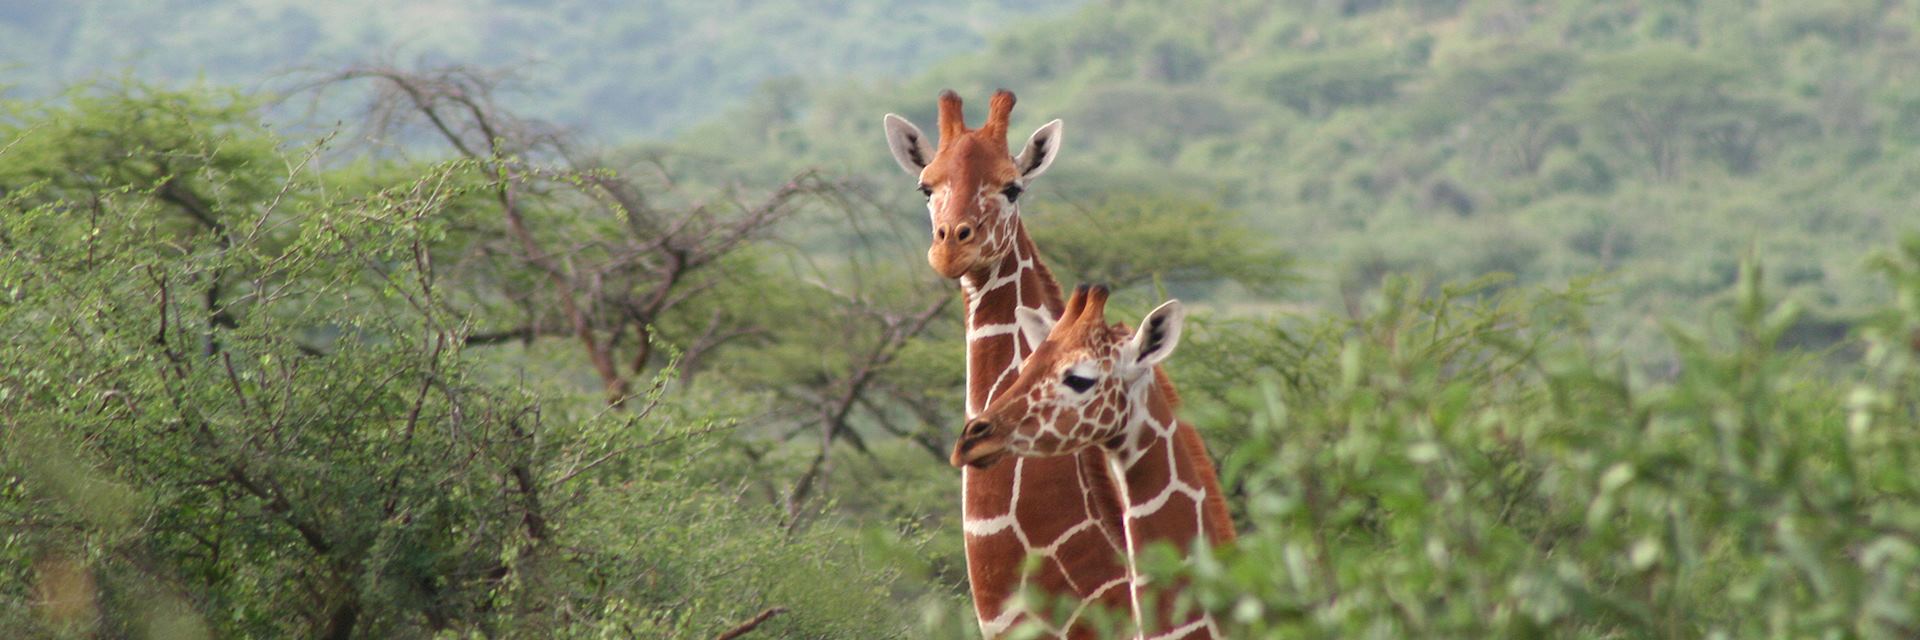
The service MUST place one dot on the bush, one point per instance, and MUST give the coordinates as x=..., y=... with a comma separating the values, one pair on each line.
x=1456, y=468
x=238, y=402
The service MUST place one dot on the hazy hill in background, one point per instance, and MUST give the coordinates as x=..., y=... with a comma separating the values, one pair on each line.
x=1654, y=143
x=617, y=69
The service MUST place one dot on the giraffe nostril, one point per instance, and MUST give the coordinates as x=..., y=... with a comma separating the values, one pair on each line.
x=964, y=233
x=977, y=428
x=940, y=232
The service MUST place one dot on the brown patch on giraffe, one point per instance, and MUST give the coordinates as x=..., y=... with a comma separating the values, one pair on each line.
x=1047, y=442
x=1047, y=569
x=1032, y=298
x=994, y=561
x=1180, y=526
x=1002, y=545
x=1050, y=570
x=1044, y=530
x=986, y=317
x=1150, y=485
x=1188, y=442
x=999, y=352
x=1102, y=492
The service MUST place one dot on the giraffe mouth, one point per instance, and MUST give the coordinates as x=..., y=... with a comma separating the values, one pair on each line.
x=952, y=263
x=979, y=453
x=987, y=461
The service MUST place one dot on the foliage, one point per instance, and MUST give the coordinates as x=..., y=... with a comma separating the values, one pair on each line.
x=240, y=401
x=1462, y=467
x=1190, y=242
x=617, y=68
x=261, y=386
x=1653, y=141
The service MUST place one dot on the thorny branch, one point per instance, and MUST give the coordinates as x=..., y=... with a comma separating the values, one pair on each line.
x=751, y=623
x=632, y=281
x=836, y=409
x=611, y=287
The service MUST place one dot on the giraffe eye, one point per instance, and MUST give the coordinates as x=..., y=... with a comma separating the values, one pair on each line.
x=1012, y=192
x=1078, y=384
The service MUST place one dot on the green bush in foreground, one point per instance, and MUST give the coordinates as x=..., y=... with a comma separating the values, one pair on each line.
x=1452, y=467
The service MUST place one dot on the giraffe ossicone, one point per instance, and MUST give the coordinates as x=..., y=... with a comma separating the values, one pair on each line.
x=1089, y=385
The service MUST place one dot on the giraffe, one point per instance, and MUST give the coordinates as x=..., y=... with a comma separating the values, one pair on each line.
x=1088, y=385
x=1064, y=509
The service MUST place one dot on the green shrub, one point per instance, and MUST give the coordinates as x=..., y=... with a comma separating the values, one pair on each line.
x=1452, y=467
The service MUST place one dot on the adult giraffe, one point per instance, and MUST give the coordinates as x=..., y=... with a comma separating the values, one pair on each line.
x=1064, y=509
x=1091, y=386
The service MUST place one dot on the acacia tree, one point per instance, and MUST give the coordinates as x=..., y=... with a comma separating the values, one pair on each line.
x=1505, y=98
x=590, y=253
x=580, y=249
x=239, y=396
x=1664, y=104
x=262, y=377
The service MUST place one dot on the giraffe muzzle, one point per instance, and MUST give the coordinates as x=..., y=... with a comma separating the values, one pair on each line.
x=978, y=447
x=952, y=259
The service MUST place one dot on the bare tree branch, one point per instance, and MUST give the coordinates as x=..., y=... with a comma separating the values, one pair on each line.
x=751, y=624
x=835, y=412
x=603, y=284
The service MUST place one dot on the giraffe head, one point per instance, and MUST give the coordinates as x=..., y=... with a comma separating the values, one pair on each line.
x=1078, y=387
x=972, y=182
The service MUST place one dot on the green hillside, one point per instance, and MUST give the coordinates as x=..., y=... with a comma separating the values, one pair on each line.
x=1655, y=142
x=619, y=69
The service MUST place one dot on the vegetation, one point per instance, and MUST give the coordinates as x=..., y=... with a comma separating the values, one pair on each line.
x=1583, y=320
x=1653, y=143
x=621, y=69
x=248, y=397
x=1472, y=469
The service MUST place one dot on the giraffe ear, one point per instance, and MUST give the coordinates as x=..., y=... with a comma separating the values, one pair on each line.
x=1040, y=151
x=909, y=146
x=1034, y=325
x=1158, y=334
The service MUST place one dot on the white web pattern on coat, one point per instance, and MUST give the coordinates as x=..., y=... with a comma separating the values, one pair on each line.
x=977, y=526
x=1140, y=432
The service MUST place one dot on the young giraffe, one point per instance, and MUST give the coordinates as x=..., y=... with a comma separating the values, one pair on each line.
x=1090, y=386
x=1064, y=509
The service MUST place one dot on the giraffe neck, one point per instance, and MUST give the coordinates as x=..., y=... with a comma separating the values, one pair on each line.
x=995, y=346
x=1065, y=509
x=1172, y=496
